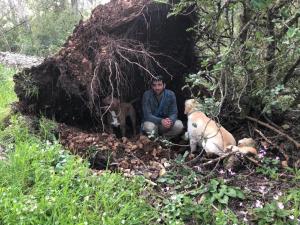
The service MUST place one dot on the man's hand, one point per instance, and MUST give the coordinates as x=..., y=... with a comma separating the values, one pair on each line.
x=167, y=123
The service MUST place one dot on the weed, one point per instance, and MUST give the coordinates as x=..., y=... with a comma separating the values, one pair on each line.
x=220, y=193
x=273, y=213
x=270, y=168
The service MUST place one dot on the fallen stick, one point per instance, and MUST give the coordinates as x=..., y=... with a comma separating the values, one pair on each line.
x=253, y=161
x=219, y=158
x=297, y=144
x=270, y=142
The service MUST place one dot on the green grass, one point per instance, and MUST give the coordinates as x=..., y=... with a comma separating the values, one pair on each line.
x=7, y=95
x=41, y=183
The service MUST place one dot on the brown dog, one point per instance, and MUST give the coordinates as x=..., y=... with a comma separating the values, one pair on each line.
x=118, y=112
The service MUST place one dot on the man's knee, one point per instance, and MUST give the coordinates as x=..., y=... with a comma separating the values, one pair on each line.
x=178, y=126
x=149, y=127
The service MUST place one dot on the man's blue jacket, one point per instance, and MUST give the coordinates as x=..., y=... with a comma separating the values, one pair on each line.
x=155, y=111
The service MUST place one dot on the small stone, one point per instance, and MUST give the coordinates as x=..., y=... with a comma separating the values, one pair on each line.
x=124, y=140
x=285, y=126
x=134, y=147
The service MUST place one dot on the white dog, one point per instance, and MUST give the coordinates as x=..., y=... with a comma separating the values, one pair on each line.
x=213, y=137
x=202, y=130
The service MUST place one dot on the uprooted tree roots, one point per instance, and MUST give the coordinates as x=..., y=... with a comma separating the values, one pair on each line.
x=115, y=52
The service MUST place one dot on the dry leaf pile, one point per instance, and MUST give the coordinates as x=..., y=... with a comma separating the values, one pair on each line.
x=137, y=156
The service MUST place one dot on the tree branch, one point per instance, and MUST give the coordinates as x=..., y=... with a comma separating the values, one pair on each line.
x=297, y=144
x=289, y=23
x=290, y=72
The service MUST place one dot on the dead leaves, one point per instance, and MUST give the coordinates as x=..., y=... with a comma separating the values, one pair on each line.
x=138, y=156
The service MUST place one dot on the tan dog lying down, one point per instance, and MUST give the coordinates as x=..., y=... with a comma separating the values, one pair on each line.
x=204, y=131
x=245, y=146
x=118, y=111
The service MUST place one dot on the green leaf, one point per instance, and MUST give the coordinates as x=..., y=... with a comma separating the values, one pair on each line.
x=224, y=200
x=231, y=192
x=240, y=194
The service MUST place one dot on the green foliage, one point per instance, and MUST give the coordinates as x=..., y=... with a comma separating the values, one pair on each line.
x=6, y=91
x=49, y=31
x=292, y=199
x=260, y=4
x=191, y=203
x=277, y=99
x=45, y=31
x=273, y=213
x=47, y=129
x=217, y=192
x=182, y=209
x=247, y=52
x=270, y=167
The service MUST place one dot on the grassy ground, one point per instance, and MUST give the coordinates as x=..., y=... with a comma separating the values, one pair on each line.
x=40, y=183
x=6, y=91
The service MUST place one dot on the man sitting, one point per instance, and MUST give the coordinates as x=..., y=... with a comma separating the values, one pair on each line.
x=160, y=110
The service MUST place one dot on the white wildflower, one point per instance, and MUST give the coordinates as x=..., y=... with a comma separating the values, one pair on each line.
x=292, y=217
x=258, y=204
x=280, y=205
x=221, y=172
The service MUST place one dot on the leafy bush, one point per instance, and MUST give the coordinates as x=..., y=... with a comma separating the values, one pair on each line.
x=273, y=213
x=248, y=54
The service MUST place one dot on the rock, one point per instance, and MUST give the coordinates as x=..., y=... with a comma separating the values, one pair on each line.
x=162, y=172
x=285, y=126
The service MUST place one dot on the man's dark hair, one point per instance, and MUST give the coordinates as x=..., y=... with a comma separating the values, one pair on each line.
x=158, y=78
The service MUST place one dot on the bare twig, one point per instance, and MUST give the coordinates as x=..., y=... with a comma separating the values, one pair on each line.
x=297, y=144
x=219, y=158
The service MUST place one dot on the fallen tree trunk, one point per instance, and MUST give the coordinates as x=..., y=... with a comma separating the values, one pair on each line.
x=19, y=60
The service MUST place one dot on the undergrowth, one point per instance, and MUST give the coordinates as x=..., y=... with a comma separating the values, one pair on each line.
x=40, y=183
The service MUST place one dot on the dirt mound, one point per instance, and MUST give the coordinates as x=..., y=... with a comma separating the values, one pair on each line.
x=119, y=48
x=138, y=156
